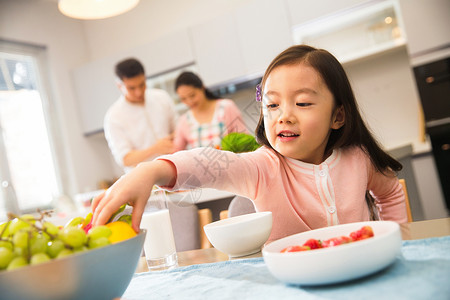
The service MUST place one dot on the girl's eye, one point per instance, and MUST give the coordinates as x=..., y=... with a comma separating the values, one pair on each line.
x=302, y=104
x=272, y=105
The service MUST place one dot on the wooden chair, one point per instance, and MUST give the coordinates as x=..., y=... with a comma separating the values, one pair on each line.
x=408, y=207
x=204, y=217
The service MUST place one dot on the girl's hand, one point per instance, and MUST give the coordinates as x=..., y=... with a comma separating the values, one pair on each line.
x=133, y=189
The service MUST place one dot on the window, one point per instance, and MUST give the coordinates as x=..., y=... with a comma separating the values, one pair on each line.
x=28, y=176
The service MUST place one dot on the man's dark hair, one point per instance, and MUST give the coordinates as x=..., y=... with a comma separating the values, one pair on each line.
x=129, y=68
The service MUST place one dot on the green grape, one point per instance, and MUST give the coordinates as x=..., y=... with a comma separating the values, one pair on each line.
x=50, y=228
x=20, y=239
x=98, y=242
x=28, y=218
x=54, y=248
x=121, y=209
x=99, y=231
x=64, y=253
x=87, y=220
x=74, y=222
x=73, y=236
x=80, y=249
x=39, y=258
x=16, y=225
x=125, y=218
x=17, y=262
x=6, y=255
x=20, y=251
x=38, y=244
x=6, y=244
x=4, y=229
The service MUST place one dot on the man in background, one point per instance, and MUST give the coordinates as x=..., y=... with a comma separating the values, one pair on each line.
x=140, y=124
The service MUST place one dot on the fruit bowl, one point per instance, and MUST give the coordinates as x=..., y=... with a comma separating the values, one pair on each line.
x=241, y=235
x=334, y=264
x=102, y=273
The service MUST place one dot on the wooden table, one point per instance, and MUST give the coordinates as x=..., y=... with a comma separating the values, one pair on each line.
x=410, y=231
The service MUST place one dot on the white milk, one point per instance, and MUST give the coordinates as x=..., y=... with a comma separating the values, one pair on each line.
x=159, y=241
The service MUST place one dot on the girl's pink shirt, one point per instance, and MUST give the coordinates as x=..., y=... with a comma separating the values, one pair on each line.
x=301, y=196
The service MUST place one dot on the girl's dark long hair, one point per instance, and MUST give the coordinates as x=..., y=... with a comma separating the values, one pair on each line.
x=354, y=132
x=191, y=79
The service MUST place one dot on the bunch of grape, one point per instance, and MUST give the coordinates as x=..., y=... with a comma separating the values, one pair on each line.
x=29, y=240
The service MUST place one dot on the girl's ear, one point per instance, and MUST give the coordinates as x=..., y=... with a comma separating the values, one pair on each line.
x=338, y=118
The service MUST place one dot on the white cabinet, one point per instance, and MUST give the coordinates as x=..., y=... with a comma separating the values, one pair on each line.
x=357, y=34
x=263, y=31
x=427, y=24
x=95, y=85
x=241, y=43
x=169, y=52
x=301, y=11
x=217, y=52
x=95, y=90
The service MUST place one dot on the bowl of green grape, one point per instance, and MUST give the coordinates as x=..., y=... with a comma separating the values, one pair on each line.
x=39, y=260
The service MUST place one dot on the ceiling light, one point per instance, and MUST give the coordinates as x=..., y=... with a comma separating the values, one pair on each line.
x=95, y=9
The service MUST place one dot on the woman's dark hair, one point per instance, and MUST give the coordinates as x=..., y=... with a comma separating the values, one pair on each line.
x=189, y=78
x=129, y=68
x=354, y=132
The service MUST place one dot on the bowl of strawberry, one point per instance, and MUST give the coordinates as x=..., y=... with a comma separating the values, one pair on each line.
x=334, y=254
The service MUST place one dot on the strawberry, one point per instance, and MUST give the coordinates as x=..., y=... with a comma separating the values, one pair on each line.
x=295, y=249
x=361, y=234
x=313, y=244
x=336, y=241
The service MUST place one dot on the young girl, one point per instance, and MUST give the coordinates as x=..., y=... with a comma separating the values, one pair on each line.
x=316, y=164
x=208, y=119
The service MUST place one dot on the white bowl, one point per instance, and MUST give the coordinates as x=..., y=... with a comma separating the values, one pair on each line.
x=334, y=264
x=241, y=235
x=102, y=273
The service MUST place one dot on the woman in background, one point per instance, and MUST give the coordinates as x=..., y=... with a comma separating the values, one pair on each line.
x=208, y=119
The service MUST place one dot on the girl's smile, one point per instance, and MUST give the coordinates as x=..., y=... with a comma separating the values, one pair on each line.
x=299, y=112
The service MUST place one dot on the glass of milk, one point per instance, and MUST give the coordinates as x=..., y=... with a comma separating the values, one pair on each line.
x=159, y=245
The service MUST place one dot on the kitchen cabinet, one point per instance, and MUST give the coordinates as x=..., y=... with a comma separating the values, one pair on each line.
x=427, y=24
x=360, y=33
x=302, y=11
x=95, y=85
x=217, y=52
x=241, y=43
x=95, y=90
x=263, y=31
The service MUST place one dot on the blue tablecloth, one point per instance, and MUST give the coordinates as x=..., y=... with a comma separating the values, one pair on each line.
x=421, y=272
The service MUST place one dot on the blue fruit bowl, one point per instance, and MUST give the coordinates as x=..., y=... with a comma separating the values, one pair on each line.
x=102, y=273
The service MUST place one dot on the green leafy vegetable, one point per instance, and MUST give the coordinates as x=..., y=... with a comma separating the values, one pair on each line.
x=239, y=142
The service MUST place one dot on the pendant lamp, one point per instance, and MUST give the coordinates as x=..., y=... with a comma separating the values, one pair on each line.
x=95, y=9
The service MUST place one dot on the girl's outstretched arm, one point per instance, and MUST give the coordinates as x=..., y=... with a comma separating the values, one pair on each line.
x=134, y=189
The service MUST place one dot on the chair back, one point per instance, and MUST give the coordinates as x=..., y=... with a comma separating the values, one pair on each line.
x=408, y=207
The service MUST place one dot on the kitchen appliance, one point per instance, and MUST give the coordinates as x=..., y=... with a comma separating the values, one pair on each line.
x=433, y=82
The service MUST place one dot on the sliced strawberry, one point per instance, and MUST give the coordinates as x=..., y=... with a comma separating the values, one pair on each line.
x=361, y=234
x=313, y=244
x=336, y=241
x=295, y=249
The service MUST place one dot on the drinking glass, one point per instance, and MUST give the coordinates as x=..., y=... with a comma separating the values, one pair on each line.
x=159, y=245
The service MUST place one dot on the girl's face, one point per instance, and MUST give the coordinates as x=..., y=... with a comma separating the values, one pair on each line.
x=191, y=96
x=299, y=112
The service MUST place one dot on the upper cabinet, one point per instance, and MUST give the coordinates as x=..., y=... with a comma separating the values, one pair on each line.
x=305, y=11
x=217, y=51
x=427, y=24
x=264, y=31
x=358, y=33
x=95, y=91
x=241, y=43
x=95, y=82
